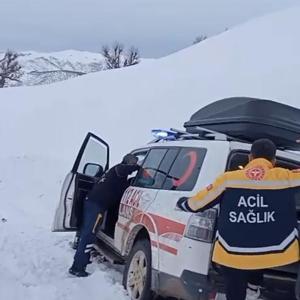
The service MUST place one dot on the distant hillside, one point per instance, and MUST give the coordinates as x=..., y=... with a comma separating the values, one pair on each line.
x=45, y=68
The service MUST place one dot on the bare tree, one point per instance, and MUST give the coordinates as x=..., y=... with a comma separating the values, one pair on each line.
x=199, y=39
x=10, y=69
x=113, y=55
x=132, y=57
x=117, y=57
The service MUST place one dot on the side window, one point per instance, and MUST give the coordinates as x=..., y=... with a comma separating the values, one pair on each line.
x=155, y=168
x=185, y=170
x=164, y=168
x=239, y=159
x=140, y=154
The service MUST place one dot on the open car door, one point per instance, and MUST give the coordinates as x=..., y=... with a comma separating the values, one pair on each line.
x=92, y=161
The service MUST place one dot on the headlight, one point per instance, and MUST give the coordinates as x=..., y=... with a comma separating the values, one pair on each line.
x=201, y=226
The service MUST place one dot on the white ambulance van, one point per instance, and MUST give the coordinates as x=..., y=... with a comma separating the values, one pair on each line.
x=167, y=251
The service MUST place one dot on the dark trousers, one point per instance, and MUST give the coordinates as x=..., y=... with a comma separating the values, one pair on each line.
x=236, y=282
x=297, y=286
x=91, y=211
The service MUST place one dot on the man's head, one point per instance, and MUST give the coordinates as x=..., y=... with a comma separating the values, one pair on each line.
x=263, y=148
x=130, y=159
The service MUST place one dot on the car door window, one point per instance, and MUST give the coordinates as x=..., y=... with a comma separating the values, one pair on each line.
x=140, y=154
x=146, y=175
x=164, y=168
x=185, y=169
x=95, y=152
x=156, y=167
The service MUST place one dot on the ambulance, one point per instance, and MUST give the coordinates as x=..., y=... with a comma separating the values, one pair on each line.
x=166, y=251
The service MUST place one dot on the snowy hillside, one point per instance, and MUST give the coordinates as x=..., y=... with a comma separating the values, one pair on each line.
x=41, y=130
x=45, y=68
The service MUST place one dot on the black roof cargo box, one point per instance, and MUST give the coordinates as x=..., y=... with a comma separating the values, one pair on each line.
x=248, y=119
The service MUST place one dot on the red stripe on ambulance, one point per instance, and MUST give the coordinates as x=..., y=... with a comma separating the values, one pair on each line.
x=164, y=247
x=165, y=225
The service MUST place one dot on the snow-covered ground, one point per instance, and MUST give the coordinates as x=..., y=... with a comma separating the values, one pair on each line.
x=34, y=261
x=41, y=129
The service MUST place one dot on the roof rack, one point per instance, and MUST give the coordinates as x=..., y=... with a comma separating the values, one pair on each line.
x=216, y=135
x=198, y=133
x=201, y=133
x=210, y=134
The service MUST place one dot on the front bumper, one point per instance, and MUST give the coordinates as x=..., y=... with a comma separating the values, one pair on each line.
x=189, y=286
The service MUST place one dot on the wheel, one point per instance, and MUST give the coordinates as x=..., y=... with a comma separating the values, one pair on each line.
x=137, y=273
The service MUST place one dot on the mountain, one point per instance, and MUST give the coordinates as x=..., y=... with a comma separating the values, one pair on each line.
x=42, y=127
x=44, y=68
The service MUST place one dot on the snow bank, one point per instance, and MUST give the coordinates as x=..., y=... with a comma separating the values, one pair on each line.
x=41, y=129
x=259, y=59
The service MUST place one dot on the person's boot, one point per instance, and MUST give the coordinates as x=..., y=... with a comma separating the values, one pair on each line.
x=78, y=273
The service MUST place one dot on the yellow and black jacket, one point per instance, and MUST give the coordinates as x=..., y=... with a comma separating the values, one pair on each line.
x=257, y=224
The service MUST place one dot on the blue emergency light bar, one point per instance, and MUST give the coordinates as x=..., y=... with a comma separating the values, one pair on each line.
x=164, y=134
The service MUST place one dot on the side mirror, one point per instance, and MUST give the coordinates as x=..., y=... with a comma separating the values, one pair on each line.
x=93, y=170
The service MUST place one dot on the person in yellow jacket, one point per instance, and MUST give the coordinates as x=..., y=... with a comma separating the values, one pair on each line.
x=257, y=224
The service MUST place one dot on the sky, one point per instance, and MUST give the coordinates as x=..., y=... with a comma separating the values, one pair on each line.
x=156, y=27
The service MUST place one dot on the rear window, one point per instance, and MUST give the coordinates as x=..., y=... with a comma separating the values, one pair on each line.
x=185, y=170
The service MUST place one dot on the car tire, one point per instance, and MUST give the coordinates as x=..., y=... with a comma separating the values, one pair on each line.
x=137, y=273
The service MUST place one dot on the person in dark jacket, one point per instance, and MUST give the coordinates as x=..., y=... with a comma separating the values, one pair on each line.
x=257, y=224
x=105, y=195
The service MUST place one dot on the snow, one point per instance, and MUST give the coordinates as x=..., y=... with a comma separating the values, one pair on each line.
x=71, y=55
x=42, y=127
x=34, y=261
